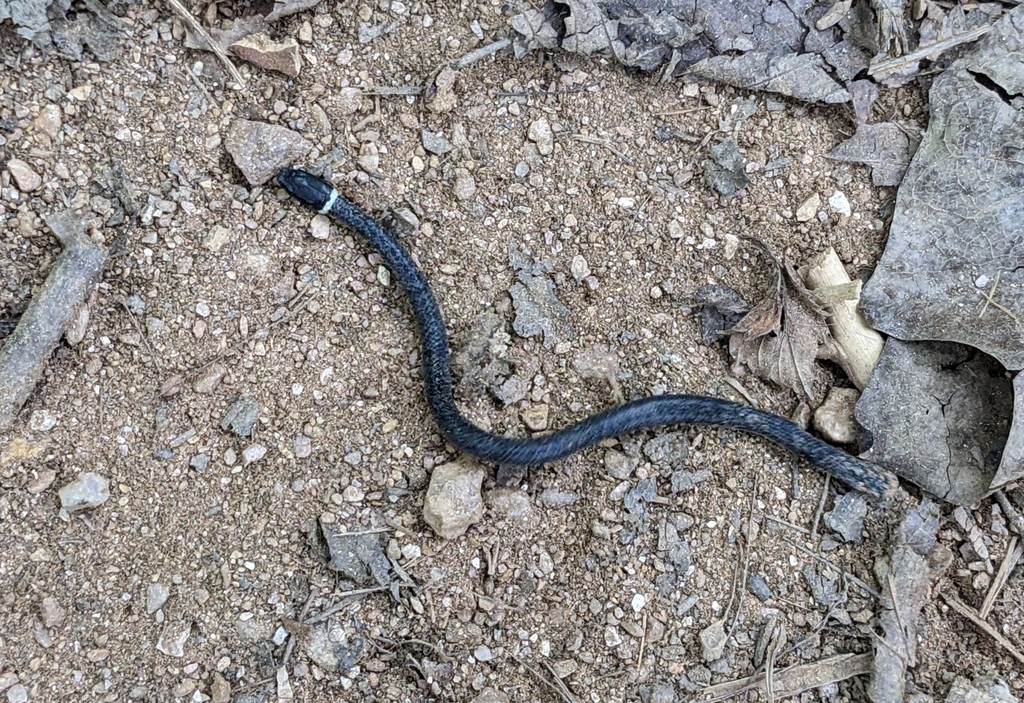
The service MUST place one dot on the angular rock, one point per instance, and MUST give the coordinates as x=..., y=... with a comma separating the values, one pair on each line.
x=260, y=149
x=87, y=491
x=262, y=51
x=24, y=177
x=453, y=500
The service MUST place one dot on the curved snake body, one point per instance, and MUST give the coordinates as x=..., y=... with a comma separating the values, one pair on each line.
x=645, y=413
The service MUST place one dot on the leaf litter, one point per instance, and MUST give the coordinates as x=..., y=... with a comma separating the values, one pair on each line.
x=950, y=273
x=780, y=337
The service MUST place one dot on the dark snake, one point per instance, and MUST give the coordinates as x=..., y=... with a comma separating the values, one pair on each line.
x=645, y=413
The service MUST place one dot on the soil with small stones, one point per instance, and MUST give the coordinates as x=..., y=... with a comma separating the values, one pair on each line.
x=307, y=329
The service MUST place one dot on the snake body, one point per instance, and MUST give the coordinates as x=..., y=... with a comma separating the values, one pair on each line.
x=645, y=413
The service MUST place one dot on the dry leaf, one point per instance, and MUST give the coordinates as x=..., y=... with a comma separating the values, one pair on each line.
x=779, y=338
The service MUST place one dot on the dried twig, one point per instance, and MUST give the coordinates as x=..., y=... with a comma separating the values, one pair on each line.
x=821, y=507
x=1016, y=521
x=846, y=574
x=482, y=52
x=1013, y=555
x=350, y=598
x=784, y=523
x=196, y=27
x=968, y=612
x=69, y=283
x=896, y=64
x=302, y=616
x=796, y=679
x=602, y=142
x=554, y=683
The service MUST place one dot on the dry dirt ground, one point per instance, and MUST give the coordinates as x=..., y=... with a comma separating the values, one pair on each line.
x=577, y=586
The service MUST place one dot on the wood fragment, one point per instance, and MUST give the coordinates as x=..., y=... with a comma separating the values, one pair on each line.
x=1012, y=558
x=72, y=279
x=796, y=679
x=889, y=66
x=200, y=31
x=1016, y=521
x=969, y=613
x=860, y=345
x=482, y=52
x=602, y=142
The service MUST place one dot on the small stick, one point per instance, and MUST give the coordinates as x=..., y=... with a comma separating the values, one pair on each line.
x=1013, y=555
x=795, y=679
x=192, y=22
x=1016, y=522
x=77, y=271
x=302, y=616
x=643, y=645
x=559, y=689
x=780, y=521
x=602, y=142
x=861, y=345
x=968, y=612
x=484, y=51
x=883, y=67
x=846, y=574
x=341, y=606
x=821, y=507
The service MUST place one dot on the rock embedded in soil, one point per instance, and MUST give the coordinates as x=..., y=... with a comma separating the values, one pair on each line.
x=24, y=177
x=540, y=133
x=491, y=695
x=847, y=517
x=808, y=208
x=260, y=149
x=260, y=50
x=52, y=613
x=712, y=641
x=89, y=490
x=156, y=595
x=835, y=418
x=511, y=504
x=453, y=501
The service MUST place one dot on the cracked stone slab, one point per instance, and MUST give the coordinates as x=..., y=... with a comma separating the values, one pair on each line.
x=939, y=416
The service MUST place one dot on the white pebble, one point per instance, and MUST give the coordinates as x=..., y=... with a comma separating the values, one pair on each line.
x=839, y=204
x=638, y=602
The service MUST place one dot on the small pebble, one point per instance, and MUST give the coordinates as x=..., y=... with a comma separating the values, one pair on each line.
x=465, y=186
x=17, y=694
x=453, y=501
x=612, y=638
x=839, y=204
x=42, y=421
x=156, y=595
x=353, y=494
x=89, y=490
x=759, y=587
x=536, y=417
x=253, y=453
x=579, y=267
x=808, y=208
x=712, y=641
x=320, y=227
x=540, y=133
x=303, y=447
x=834, y=419
x=24, y=177
x=52, y=613
x=483, y=653
x=618, y=464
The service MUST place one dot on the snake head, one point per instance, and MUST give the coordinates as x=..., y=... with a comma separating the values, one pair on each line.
x=305, y=186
